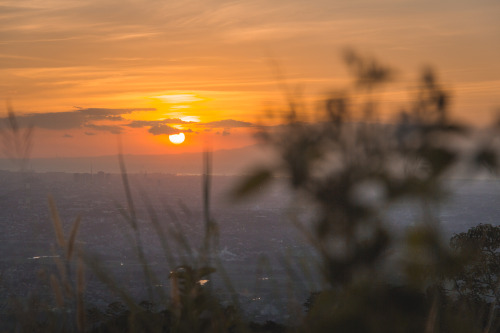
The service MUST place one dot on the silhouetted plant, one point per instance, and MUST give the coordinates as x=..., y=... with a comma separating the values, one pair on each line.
x=349, y=167
x=479, y=247
x=16, y=140
x=192, y=307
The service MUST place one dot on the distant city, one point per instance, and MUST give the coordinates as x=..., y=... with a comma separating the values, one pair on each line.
x=257, y=235
x=252, y=232
x=225, y=162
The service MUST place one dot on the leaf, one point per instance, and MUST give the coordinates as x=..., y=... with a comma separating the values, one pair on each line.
x=205, y=271
x=486, y=158
x=56, y=220
x=439, y=159
x=57, y=290
x=80, y=306
x=252, y=183
x=72, y=238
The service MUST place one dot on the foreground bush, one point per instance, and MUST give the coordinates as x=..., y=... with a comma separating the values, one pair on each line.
x=350, y=168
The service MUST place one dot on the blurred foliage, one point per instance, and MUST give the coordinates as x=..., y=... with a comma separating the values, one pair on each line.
x=194, y=309
x=17, y=140
x=349, y=168
x=478, y=277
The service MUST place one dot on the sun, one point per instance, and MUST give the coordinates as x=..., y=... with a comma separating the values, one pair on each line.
x=177, y=138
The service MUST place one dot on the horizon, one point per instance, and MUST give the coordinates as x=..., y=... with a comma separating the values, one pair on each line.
x=238, y=161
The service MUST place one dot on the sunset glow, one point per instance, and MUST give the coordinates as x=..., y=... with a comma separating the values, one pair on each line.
x=81, y=75
x=245, y=166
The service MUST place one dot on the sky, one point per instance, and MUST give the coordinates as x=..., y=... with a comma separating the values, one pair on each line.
x=87, y=74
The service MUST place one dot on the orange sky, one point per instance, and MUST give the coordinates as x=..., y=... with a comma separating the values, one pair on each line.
x=85, y=71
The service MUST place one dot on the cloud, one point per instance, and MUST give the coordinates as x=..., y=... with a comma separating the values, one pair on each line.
x=53, y=120
x=223, y=133
x=108, y=128
x=89, y=133
x=163, y=129
x=73, y=119
x=227, y=123
x=67, y=136
x=109, y=114
x=167, y=130
x=146, y=123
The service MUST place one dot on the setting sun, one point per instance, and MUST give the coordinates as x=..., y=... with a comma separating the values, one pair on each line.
x=177, y=138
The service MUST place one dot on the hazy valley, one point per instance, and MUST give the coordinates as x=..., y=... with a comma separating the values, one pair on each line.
x=257, y=236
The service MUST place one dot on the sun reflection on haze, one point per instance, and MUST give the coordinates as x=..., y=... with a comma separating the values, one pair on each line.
x=194, y=119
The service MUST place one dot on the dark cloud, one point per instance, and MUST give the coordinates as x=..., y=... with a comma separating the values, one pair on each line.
x=223, y=133
x=67, y=136
x=53, y=120
x=109, y=114
x=146, y=123
x=163, y=129
x=73, y=119
x=167, y=130
x=107, y=128
x=227, y=123
x=115, y=118
x=107, y=111
x=89, y=133
x=142, y=123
